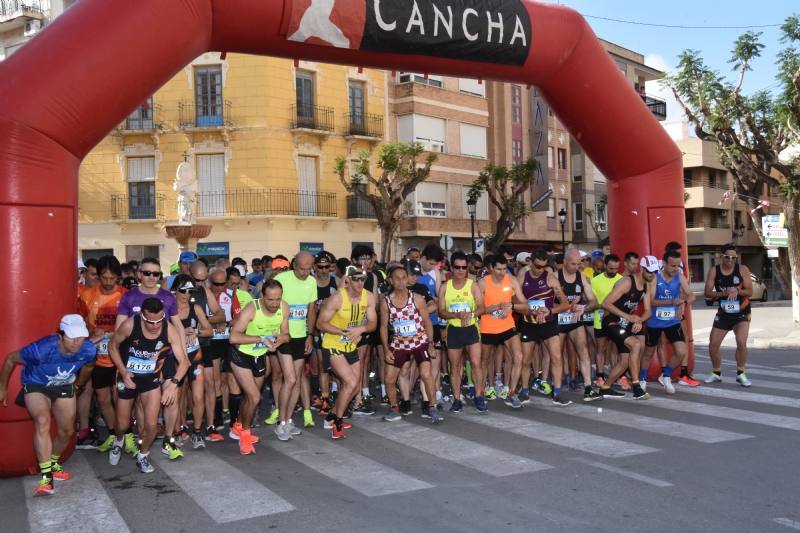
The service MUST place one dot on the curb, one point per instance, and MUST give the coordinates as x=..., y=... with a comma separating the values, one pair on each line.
x=791, y=343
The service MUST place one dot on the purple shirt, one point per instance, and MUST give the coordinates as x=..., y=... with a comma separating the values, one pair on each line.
x=537, y=289
x=131, y=303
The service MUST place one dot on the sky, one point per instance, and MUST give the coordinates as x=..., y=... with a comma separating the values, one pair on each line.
x=662, y=46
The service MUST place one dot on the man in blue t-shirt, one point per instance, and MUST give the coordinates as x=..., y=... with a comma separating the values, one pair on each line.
x=432, y=256
x=53, y=369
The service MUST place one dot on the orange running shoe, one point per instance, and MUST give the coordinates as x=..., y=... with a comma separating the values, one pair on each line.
x=236, y=431
x=600, y=381
x=59, y=473
x=689, y=381
x=337, y=433
x=246, y=443
x=45, y=487
x=623, y=382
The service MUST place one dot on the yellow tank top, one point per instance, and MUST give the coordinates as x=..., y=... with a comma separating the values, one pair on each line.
x=262, y=325
x=458, y=300
x=347, y=316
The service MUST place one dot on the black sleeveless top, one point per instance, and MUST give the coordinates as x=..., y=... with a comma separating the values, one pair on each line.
x=142, y=355
x=628, y=302
x=573, y=291
x=723, y=282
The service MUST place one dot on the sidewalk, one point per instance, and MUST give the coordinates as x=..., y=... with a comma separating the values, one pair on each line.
x=771, y=327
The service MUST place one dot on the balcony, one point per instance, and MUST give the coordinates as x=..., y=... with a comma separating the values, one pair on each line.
x=357, y=207
x=365, y=125
x=263, y=201
x=715, y=234
x=15, y=13
x=312, y=117
x=204, y=114
x=705, y=194
x=146, y=119
x=137, y=207
x=657, y=106
x=419, y=226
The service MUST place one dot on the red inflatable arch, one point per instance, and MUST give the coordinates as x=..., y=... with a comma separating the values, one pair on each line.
x=67, y=88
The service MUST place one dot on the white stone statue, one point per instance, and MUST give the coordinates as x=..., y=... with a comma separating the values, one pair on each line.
x=186, y=186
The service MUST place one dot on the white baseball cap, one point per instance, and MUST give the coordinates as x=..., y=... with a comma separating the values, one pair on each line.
x=80, y=264
x=73, y=326
x=582, y=254
x=523, y=256
x=649, y=263
x=240, y=268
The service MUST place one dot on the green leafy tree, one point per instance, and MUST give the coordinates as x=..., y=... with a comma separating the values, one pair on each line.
x=505, y=189
x=751, y=131
x=402, y=167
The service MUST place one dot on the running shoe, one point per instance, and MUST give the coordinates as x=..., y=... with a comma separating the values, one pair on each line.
x=59, y=473
x=457, y=406
x=688, y=381
x=623, y=383
x=591, y=395
x=272, y=418
x=365, y=408
x=713, y=378
x=640, y=394
x=611, y=393
x=131, y=445
x=329, y=424
x=170, y=450
x=537, y=383
x=393, y=415
x=246, y=443
x=337, y=431
x=742, y=380
x=405, y=407
x=524, y=397
x=385, y=400
x=503, y=394
x=184, y=434
x=561, y=402
x=425, y=412
x=143, y=462
x=435, y=416
x=106, y=444
x=643, y=385
x=480, y=404
x=282, y=432
x=293, y=430
x=545, y=388
x=236, y=431
x=197, y=440
x=470, y=392
x=316, y=403
x=88, y=441
x=599, y=381
x=44, y=488
x=212, y=435
x=490, y=394
x=308, y=419
x=667, y=384
x=513, y=402
x=115, y=455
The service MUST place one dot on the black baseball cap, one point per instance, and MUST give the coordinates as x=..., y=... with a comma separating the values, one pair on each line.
x=413, y=267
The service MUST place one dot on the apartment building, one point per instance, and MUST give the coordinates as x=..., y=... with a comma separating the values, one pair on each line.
x=21, y=20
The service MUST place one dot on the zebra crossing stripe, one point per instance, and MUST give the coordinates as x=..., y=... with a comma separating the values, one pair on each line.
x=344, y=466
x=649, y=424
x=793, y=524
x=221, y=490
x=80, y=504
x=468, y=454
x=769, y=373
x=559, y=436
x=622, y=472
x=718, y=411
x=740, y=395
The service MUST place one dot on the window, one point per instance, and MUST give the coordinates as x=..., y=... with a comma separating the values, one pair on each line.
x=142, y=187
x=481, y=208
x=356, y=97
x=96, y=253
x=430, y=200
x=516, y=151
x=687, y=177
x=516, y=104
x=577, y=216
x=304, y=94
x=712, y=179
x=601, y=216
x=208, y=102
x=577, y=179
x=429, y=131
x=551, y=208
x=408, y=77
x=473, y=140
x=689, y=218
x=137, y=252
x=562, y=159
x=307, y=185
x=551, y=156
x=466, y=85
x=211, y=181
x=142, y=118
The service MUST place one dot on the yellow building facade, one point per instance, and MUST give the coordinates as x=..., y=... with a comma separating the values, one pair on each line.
x=262, y=134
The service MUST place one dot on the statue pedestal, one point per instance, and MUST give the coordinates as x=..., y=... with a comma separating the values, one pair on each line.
x=187, y=235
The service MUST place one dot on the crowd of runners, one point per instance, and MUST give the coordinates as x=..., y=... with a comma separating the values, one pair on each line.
x=198, y=353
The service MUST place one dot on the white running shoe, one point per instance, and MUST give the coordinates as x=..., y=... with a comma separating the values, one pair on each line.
x=666, y=382
x=714, y=378
x=742, y=380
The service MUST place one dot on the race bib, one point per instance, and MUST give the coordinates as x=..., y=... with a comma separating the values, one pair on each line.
x=588, y=317
x=460, y=307
x=498, y=313
x=665, y=313
x=535, y=305
x=102, y=344
x=298, y=312
x=566, y=318
x=623, y=323
x=141, y=366
x=226, y=334
x=191, y=348
x=405, y=328
x=730, y=306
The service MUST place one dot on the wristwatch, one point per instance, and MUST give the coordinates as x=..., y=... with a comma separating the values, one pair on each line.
x=175, y=381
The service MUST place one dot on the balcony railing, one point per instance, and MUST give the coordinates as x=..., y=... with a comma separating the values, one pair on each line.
x=143, y=119
x=255, y=202
x=205, y=114
x=357, y=207
x=365, y=124
x=706, y=183
x=137, y=207
x=15, y=8
x=312, y=117
x=657, y=106
x=710, y=225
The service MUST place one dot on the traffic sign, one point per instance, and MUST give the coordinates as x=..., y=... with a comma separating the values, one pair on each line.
x=446, y=242
x=480, y=244
x=776, y=237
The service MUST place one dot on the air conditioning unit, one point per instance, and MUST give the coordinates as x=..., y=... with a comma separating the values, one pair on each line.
x=32, y=27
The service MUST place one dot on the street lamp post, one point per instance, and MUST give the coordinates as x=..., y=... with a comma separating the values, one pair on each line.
x=472, y=205
x=562, y=217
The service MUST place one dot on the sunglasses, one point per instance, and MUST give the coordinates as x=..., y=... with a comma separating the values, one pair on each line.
x=731, y=257
x=539, y=265
x=150, y=274
x=459, y=267
x=358, y=279
x=153, y=321
x=198, y=280
x=219, y=283
x=323, y=267
x=184, y=291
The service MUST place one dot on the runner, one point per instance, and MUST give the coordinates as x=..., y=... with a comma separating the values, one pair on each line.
x=300, y=293
x=624, y=328
x=461, y=303
x=364, y=257
x=602, y=284
x=261, y=327
x=53, y=368
x=406, y=315
x=345, y=317
x=326, y=287
x=131, y=303
x=669, y=295
x=432, y=278
x=138, y=349
x=730, y=284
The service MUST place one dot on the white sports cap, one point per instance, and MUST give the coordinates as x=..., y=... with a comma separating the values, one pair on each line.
x=649, y=263
x=73, y=326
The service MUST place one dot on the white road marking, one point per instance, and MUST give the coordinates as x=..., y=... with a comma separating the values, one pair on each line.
x=344, y=466
x=221, y=490
x=559, y=436
x=740, y=415
x=466, y=453
x=80, y=504
x=729, y=379
x=771, y=373
x=787, y=522
x=741, y=396
x=649, y=424
x=792, y=366
x=622, y=472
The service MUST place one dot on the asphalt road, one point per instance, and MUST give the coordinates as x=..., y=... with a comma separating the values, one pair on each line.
x=719, y=458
